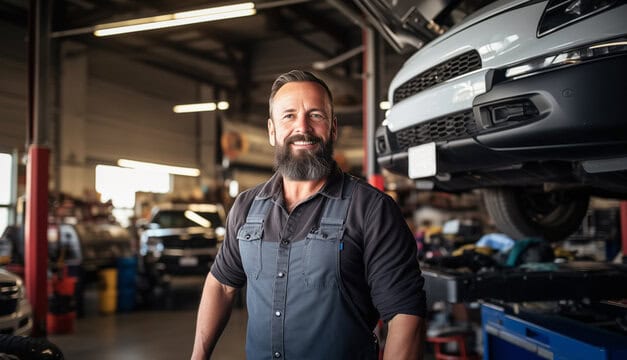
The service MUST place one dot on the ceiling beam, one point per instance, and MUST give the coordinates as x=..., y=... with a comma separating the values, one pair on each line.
x=178, y=47
x=284, y=24
x=332, y=29
x=143, y=54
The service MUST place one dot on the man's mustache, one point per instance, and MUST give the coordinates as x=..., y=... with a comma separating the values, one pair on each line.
x=302, y=137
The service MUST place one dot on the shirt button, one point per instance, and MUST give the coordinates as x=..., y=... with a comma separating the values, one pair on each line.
x=277, y=354
x=277, y=314
x=280, y=274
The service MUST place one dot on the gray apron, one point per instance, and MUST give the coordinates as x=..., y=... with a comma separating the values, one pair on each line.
x=294, y=293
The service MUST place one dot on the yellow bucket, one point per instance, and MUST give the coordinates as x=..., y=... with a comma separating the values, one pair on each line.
x=108, y=293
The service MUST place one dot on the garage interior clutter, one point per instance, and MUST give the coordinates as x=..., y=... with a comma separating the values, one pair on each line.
x=128, y=129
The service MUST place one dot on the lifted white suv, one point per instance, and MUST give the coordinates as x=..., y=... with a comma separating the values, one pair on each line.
x=523, y=99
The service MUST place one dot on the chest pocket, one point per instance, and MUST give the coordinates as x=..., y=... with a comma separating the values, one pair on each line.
x=322, y=247
x=249, y=239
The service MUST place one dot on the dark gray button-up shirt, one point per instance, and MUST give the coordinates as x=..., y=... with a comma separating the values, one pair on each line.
x=378, y=262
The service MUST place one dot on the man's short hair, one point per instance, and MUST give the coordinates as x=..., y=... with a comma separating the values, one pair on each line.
x=295, y=76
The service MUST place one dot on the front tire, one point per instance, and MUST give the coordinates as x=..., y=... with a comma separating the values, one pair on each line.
x=522, y=212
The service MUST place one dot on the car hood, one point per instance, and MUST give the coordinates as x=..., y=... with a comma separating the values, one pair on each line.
x=393, y=27
x=6, y=276
x=480, y=15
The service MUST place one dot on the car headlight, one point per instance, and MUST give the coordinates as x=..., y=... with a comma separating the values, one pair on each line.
x=21, y=290
x=569, y=57
x=561, y=13
x=152, y=245
x=220, y=232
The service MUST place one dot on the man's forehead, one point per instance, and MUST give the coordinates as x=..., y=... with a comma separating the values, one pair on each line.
x=301, y=90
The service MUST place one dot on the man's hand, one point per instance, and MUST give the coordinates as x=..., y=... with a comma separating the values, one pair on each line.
x=405, y=339
x=213, y=314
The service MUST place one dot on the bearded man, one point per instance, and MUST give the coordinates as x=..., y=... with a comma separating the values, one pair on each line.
x=323, y=254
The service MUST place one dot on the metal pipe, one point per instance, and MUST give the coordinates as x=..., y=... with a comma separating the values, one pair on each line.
x=323, y=65
x=370, y=95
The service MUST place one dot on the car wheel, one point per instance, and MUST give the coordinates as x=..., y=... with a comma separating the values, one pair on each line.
x=532, y=212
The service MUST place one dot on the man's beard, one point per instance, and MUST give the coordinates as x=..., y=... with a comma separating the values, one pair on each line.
x=304, y=164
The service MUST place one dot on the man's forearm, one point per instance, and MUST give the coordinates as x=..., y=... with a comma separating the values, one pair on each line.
x=213, y=314
x=405, y=338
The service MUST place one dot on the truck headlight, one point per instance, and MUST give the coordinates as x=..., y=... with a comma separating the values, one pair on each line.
x=561, y=13
x=569, y=57
x=220, y=232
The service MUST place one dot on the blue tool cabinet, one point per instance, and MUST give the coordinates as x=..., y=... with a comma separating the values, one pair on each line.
x=511, y=335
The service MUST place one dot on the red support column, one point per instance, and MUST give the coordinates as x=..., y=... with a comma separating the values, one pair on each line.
x=36, y=235
x=377, y=181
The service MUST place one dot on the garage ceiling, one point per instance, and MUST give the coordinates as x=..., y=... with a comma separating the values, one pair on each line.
x=225, y=54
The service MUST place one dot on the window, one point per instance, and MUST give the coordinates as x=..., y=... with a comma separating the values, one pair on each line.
x=120, y=185
x=6, y=189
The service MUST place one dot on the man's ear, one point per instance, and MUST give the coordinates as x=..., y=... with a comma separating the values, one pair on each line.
x=334, y=128
x=271, y=132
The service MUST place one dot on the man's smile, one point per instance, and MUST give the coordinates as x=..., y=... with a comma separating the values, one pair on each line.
x=303, y=141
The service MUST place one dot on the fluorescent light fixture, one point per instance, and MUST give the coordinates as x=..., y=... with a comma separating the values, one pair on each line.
x=175, y=170
x=223, y=105
x=208, y=106
x=176, y=19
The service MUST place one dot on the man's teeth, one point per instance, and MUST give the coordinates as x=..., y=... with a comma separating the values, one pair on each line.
x=304, y=142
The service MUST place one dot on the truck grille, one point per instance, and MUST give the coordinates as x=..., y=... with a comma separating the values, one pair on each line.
x=9, y=293
x=449, y=127
x=459, y=65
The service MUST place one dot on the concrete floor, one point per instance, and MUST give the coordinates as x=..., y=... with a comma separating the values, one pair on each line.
x=148, y=334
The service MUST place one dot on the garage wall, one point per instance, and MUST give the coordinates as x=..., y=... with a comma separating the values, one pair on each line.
x=122, y=122
x=13, y=88
x=109, y=108
x=129, y=113
x=12, y=104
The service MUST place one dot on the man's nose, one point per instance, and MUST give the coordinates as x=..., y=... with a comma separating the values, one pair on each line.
x=302, y=124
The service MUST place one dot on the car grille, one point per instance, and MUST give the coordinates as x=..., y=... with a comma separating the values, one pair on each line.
x=194, y=242
x=459, y=65
x=9, y=293
x=449, y=127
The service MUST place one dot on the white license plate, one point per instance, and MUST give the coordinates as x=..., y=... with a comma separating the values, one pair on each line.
x=188, y=261
x=421, y=161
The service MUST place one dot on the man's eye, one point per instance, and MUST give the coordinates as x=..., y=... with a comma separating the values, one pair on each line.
x=317, y=116
x=288, y=116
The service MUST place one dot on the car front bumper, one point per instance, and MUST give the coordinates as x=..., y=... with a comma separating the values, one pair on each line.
x=20, y=322
x=579, y=116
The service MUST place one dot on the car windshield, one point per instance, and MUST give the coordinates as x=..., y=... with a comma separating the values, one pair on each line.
x=187, y=218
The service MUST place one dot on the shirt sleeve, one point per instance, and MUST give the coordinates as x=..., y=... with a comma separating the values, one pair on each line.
x=392, y=268
x=227, y=267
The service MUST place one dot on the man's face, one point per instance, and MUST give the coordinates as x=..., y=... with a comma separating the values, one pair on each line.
x=303, y=130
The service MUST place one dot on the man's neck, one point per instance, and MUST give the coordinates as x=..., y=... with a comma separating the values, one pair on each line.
x=295, y=191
